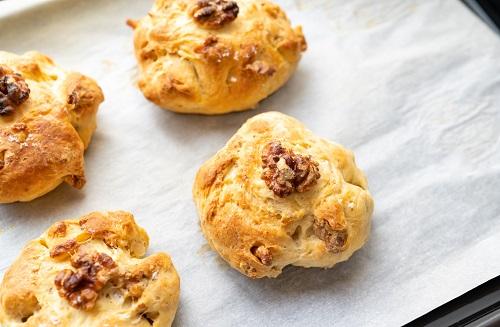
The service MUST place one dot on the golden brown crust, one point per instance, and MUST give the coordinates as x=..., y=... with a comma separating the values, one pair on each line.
x=42, y=141
x=90, y=282
x=214, y=56
x=258, y=229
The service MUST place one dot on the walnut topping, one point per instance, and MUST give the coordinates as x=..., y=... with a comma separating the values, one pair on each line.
x=263, y=254
x=81, y=287
x=213, y=50
x=13, y=91
x=215, y=13
x=64, y=248
x=248, y=53
x=261, y=68
x=286, y=172
x=135, y=286
x=335, y=239
x=59, y=230
x=73, y=97
x=76, y=288
x=136, y=282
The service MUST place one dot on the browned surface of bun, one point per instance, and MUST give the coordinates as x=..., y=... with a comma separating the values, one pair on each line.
x=278, y=195
x=42, y=139
x=214, y=56
x=90, y=272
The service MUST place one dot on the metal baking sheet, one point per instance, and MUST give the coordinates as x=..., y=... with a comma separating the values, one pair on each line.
x=413, y=87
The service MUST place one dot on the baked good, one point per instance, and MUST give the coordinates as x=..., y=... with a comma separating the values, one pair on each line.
x=278, y=195
x=214, y=56
x=90, y=272
x=47, y=117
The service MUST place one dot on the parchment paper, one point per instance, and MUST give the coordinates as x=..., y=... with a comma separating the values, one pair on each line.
x=413, y=87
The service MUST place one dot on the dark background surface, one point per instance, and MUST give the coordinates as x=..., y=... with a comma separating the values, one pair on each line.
x=479, y=307
x=488, y=10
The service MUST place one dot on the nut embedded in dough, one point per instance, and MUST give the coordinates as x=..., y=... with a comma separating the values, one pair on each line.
x=263, y=254
x=47, y=118
x=214, y=56
x=334, y=239
x=278, y=195
x=101, y=279
x=13, y=91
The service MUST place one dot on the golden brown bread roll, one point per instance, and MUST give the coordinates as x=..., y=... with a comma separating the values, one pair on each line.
x=214, y=56
x=278, y=195
x=90, y=272
x=47, y=117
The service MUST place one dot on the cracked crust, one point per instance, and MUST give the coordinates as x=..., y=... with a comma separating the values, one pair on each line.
x=191, y=68
x=42, y=141
x=95, y=283
x=258, y=231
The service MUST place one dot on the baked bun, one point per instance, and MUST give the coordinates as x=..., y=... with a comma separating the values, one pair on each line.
x=89, y=272
x=214, y=56
x=47, y=117
x=278, y=195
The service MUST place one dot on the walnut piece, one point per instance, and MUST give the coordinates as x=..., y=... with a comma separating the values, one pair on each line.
x=73, y=98
x=59, y=230
x=261, y=68
x=213, y=50
x=263, y=254
x=286, y=172
x=215, y=14
x=249, y=54
x=64, y=248
x=81, y=287
x=13, y=91
x=136, y=282
x=335, y=239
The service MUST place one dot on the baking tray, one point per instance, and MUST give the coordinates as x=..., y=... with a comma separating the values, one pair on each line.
x=412, y=87
x=479, y=307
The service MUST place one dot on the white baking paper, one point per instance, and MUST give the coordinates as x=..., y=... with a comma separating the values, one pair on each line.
x=413, y=87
